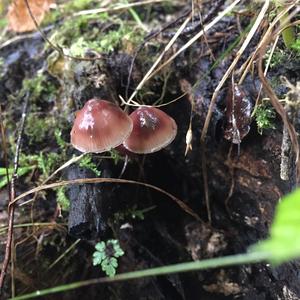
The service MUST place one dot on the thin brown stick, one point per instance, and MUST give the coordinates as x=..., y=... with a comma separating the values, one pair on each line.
x=214, y=99
x=276, y=103
x=179, y=202
x=266, y=35
x=147, y=38
x=160, y=57
x=4, y=147
x=231, y=68
x=206, y=28
x=12, y=195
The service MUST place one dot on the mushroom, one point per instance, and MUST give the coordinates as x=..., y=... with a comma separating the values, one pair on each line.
x=100, y=126
x=152, y=130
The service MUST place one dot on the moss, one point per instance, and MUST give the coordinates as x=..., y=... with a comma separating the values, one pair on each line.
x=37, y=87
x=67, y=9
x=41, y=91
x=86, y=162
x=38, y=128
x=121, y=38
x=70, y=30
x=46, y=163
x=62, y=199
x=282, y=56
x=59, y=140
x=265, y=117
x=34, y=85
x=80, y=35
x=296, y=47
x=125, y=37
x=49, y=162
x=278, y=57
x=76, y=5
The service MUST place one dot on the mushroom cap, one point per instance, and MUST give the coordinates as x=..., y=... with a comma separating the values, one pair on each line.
x=100, y=126
x=152, y=130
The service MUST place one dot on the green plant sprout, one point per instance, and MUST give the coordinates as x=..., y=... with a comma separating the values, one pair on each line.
x=264, y=117
x=59, y=140
x=132, y=212
x=86, y=162
x=115, y=156
x=106, y=255
x=47, y=163
x=62, y=199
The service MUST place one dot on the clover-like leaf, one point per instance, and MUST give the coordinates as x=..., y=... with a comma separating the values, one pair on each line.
x=106, y=256
x=98, y=258
x=118, y=251
x=100, y=246
x=114, y=262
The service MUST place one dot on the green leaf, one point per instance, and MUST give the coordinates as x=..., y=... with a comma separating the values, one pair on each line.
x=3, y=171
x=114, y=262
x=109, y=266
x=86, y=162
x=118, y=251
x=21, y=171
x=108, y=262
x=100, y=246
x=62, y=199
x=284, y=241
x=97, y=258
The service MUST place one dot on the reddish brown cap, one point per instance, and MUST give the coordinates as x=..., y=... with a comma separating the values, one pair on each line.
x=100, y=126
x=152, y=130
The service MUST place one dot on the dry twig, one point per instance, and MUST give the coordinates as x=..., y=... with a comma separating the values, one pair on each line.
x=179, y=202
x=277, y=105
x=12, y=195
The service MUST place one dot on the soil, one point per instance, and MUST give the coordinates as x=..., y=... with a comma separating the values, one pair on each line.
x=244, y=183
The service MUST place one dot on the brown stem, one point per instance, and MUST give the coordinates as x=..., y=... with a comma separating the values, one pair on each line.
x=12, y=195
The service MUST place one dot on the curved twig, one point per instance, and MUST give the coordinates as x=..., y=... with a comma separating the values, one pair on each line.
x=179, y=202
x=12, y=194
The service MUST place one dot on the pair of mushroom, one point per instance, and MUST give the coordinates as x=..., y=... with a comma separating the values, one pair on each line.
x=101, y=125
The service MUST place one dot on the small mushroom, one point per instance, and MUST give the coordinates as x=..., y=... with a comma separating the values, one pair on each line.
x=152, y=130
x=100, y=126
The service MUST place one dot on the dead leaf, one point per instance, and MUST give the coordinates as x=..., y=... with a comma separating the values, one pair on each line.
x=238, y=114
x=19, y=19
